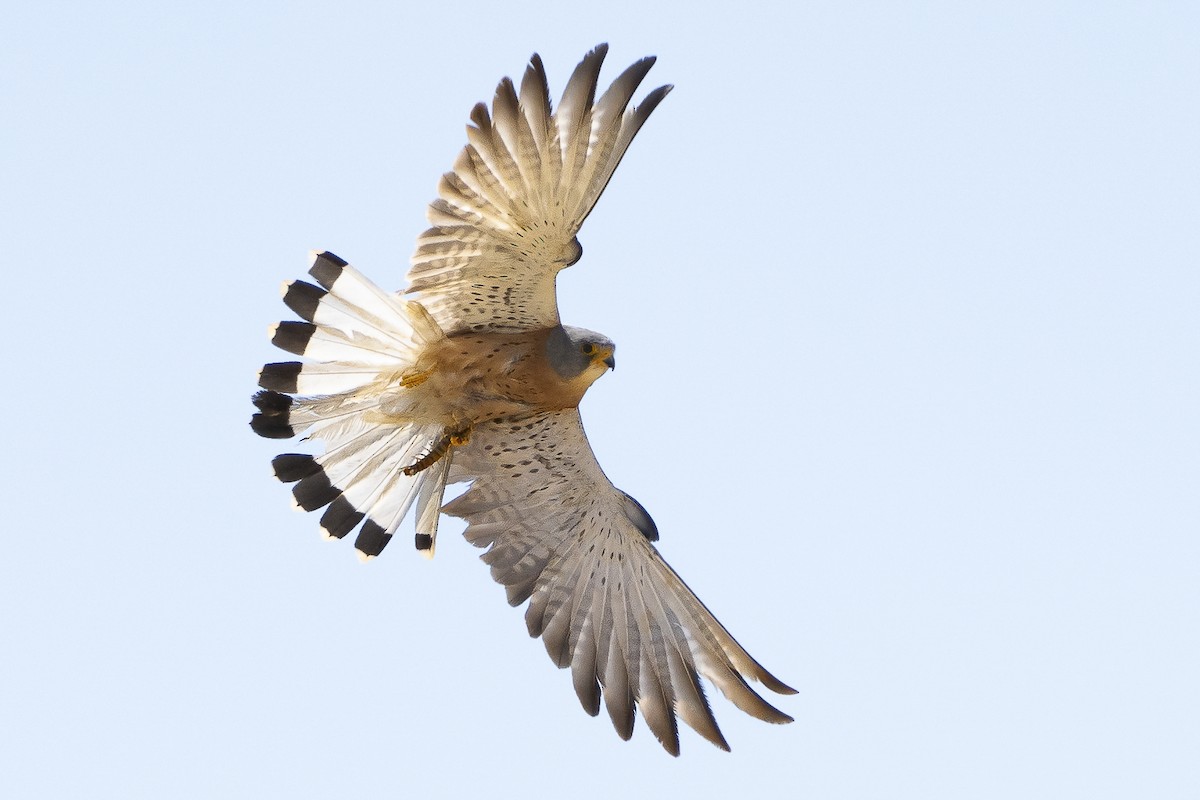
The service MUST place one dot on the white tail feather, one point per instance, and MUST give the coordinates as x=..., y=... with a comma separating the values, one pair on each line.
x=356, y=340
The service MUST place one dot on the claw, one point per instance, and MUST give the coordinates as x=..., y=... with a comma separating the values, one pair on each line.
x=448, y=439
x=413, y=379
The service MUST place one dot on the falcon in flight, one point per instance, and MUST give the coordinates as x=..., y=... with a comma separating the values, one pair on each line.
x=469, y=375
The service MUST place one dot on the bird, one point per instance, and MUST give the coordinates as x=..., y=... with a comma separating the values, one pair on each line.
x=469, y=376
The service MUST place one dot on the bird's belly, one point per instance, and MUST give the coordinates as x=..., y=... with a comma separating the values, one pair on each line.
x=478, y=378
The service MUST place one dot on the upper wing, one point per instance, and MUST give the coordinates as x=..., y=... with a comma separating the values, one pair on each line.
x=602, y=599
x=506, y=218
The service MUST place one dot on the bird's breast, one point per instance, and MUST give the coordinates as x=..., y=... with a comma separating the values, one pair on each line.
x=489, y=375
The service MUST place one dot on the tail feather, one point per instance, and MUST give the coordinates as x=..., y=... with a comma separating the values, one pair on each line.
x=355, y=338
x=340, y=518
x=429, y=505
x=273, y=419
x=324, y=308
x=329, y=344
x=295, y=377
x=404, y=318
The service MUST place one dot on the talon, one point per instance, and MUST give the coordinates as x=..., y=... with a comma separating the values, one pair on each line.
x=461, y=436
x=455, y=438
x=412, y=379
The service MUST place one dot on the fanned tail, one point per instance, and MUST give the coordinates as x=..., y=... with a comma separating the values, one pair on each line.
x=359, y=343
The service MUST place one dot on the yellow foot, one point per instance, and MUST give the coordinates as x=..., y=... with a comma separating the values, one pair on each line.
x=412, y=379
x=448, y=439
x=461, y=436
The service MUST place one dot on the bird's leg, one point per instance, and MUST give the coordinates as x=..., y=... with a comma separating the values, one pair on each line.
x=451, y=437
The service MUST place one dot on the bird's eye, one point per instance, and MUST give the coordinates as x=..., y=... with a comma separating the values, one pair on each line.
x=589, y=348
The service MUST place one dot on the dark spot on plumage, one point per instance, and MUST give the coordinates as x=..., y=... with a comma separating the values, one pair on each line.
x=303, y=298
x=327, y=268
x=293, y=336
x=315, y=491
x=372, y=538
x=424, y=541
x=281, y=376
x=341, y=517
x=291, y=467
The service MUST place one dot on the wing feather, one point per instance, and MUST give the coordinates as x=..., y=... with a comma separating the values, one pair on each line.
x=506, y=216
x=603, y=600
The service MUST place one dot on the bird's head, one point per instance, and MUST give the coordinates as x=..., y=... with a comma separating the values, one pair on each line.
x=577, y=353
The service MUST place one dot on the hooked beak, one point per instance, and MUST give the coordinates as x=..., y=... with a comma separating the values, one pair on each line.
x=610, y=362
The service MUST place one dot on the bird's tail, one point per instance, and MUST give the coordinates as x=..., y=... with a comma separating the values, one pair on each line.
x=362, y=345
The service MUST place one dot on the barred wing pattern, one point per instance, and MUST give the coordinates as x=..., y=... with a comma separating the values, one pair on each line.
x=504, y=224
x=601, y=597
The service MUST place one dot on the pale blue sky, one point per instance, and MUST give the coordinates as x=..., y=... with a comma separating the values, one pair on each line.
x=907, y=299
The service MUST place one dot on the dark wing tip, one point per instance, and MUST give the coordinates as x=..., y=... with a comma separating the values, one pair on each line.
x=775, y=685
x=480, y=116
x=651, y=101
x=588, y=692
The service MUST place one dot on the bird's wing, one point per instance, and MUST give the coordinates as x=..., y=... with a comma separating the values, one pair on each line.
x=601, y=597
x=505, y=221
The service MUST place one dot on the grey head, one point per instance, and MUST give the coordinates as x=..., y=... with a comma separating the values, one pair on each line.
x=573, y=351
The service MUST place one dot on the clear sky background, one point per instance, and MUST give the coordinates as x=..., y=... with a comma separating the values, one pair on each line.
x=907, y=299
